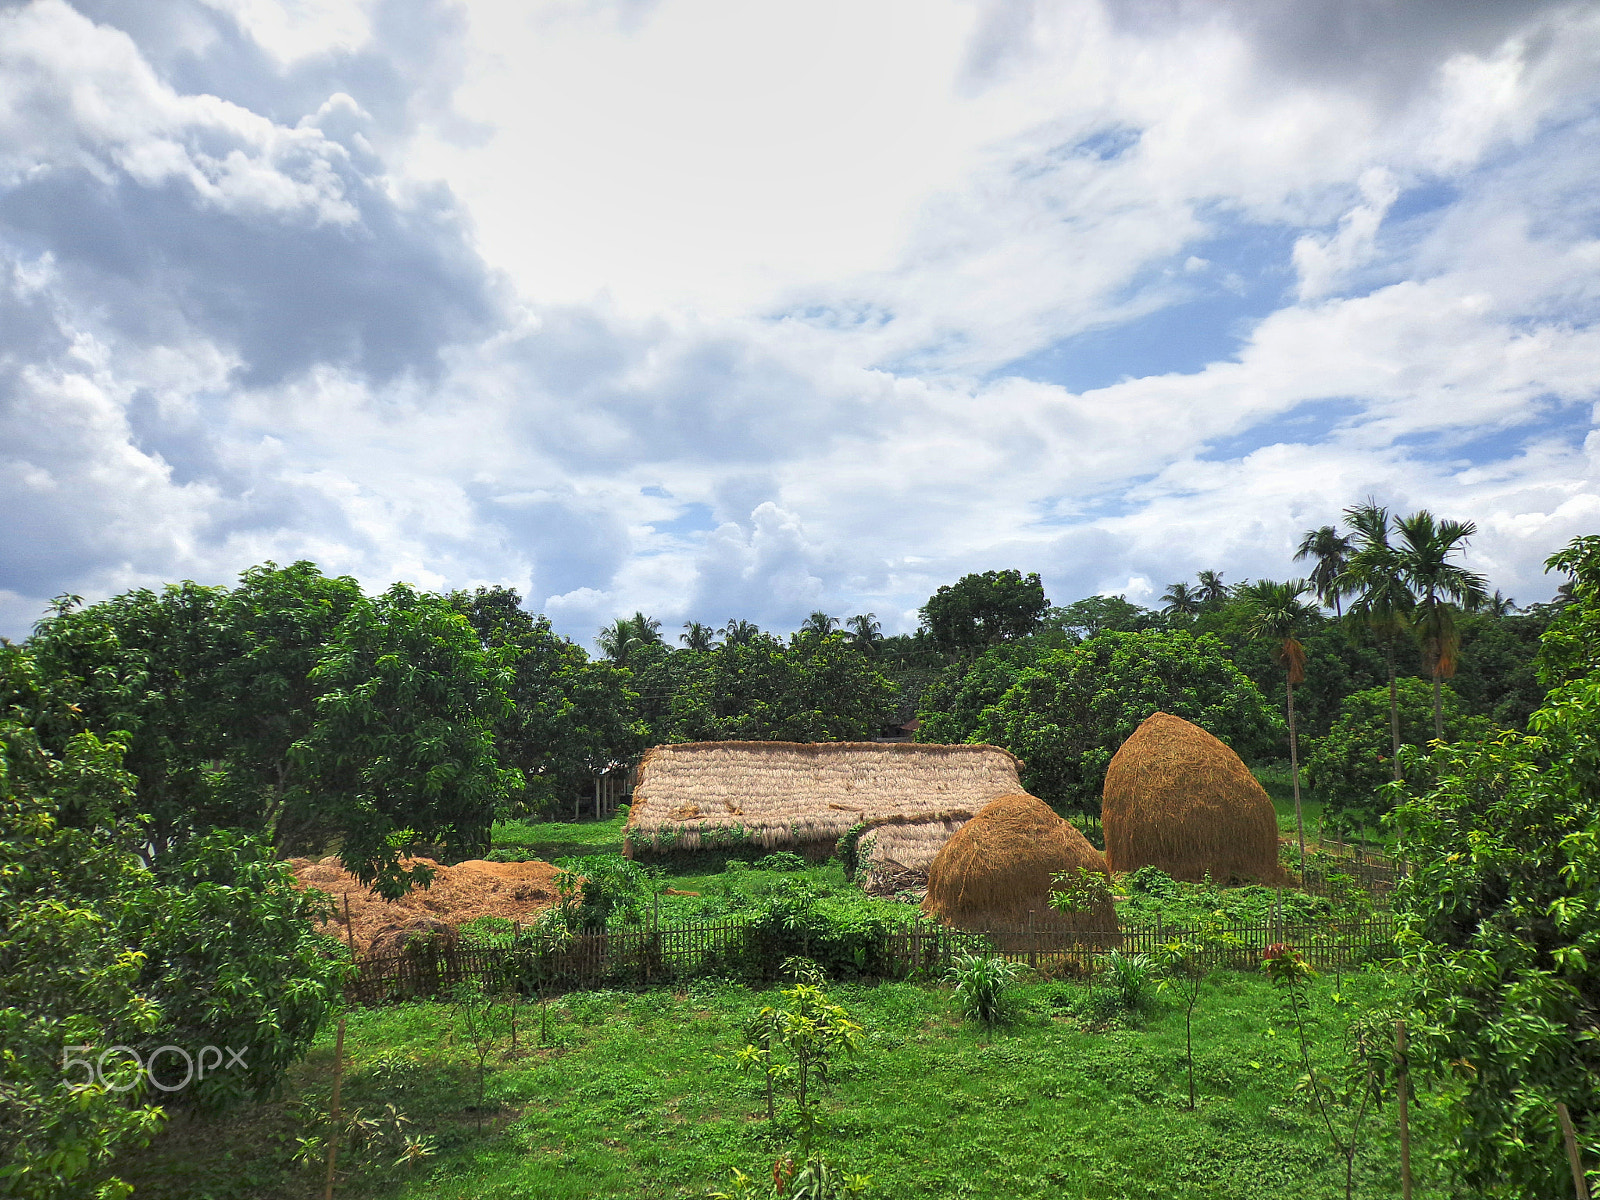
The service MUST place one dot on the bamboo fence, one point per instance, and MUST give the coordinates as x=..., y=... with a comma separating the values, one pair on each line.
x=539, y=962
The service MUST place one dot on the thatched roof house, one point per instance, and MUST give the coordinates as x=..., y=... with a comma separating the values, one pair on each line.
x=1177, y=798
x=995, y=875
x=805, y=796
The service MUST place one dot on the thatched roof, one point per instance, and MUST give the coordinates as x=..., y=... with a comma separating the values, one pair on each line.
x=1177, y=798
x=996, y=872
x=780, y=795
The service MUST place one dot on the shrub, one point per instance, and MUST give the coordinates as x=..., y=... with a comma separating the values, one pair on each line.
x=780, y=860
x=1130, y=976
x=981, y=981
x=1153, y=881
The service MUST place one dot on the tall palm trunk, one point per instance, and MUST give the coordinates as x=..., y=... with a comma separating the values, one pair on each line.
x=1394, y=709
x=1294, y=769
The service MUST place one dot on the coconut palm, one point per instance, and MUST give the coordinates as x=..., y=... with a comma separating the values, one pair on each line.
x=819, y=623
x=1383, y=601
x=1332, y=551
x=1212, y=590
x=864, y=632
x=1278, y=615
x=623, y=636
x=739, y=633
x=1180, y=598
x=1498, y=605
x=697, y=636
x=1439, y=585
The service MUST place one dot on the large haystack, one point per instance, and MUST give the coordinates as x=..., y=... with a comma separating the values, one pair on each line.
x=804, y=797
x=996, y=871
x=1177, y=798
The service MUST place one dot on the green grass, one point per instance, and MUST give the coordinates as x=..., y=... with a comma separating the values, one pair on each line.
x=630, y=1099
x=557, y=839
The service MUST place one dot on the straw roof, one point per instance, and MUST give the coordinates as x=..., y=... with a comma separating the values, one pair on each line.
x=1177, y=798
x=996, y=872
x=797, y=795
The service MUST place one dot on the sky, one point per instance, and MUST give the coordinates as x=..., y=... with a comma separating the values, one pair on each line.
x=727, y=308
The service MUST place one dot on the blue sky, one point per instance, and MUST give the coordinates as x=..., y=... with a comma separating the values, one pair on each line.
x=715, y=309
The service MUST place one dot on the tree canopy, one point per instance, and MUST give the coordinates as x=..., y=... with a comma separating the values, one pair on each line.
x=981, y=609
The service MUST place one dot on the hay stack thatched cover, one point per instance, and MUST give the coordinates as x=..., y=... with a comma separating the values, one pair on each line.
x=997, y=869
x=1177, y=798
x=804, y=796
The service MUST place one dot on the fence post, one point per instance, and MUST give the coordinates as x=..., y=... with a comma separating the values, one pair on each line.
x=1580, y=1184
x=1402, y=1080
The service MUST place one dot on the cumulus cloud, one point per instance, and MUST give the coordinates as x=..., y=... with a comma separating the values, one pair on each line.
x=622, y=306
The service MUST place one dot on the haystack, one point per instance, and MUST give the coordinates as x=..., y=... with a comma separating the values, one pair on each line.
x=1177, y=798
x=906, y=799
x=995, y=874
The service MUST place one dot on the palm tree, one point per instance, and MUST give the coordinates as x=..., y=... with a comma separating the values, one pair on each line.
x=1499, y=605
x=1436, y=581
x=697, y=636
x=1332, y=551
x=1383, y=602
x=864, y=632
x=739, y=633
x=1181, y=598
x=626, y=634
x=1278, y=615
x=1212, y=590
x=819, y=623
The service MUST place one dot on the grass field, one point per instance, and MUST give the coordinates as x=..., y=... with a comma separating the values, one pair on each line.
x=631, y=1098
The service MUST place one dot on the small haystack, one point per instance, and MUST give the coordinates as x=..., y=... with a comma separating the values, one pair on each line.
x=995, y=872
x=1177, y=798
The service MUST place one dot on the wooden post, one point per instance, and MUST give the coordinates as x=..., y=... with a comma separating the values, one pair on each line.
x=349, y=929
x=333, y=1111
x=1580, y=1184
x=1402, y=1090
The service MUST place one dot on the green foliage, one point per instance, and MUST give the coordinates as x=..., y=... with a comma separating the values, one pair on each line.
x=1502, y=932
x=780, y=860
x=1068, y=715
x=1083, y=619
x=231, y=955
x=403, y=747
x=1130, y=976
x=953, y=704
x=814, y=1178
x=981, y=981
x=1079, y=890
x=794, y=1043
x=979, y=610
x=596, y=889
x=1348, y=768
x=818, y=689
x=69, y=980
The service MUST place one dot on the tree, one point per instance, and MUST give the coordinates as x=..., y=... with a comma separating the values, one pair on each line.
x=403, y=747
x=1348, y=768
x=820, y=624
x=697, y=636
x=1332, y=551
x=1500, y=927
x=1383, y=601
x=980, y=610
x=953, y=704
x=627, y=635
x=1436, y=581
x=1212, y=590
x=1279, y=616
x=864, y=632
x=740, y=632
x=1068, y=714
x=1498, y=605
x=1181, y=600
x=569, y=717
x=1098, y=614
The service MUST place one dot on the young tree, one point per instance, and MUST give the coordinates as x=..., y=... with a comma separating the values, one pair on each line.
x=1279, y=616
x=1383, y=601
x=980, y=610
x=1436, y=581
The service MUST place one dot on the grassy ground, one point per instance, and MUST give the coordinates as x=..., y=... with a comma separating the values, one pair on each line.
x=630, y=1098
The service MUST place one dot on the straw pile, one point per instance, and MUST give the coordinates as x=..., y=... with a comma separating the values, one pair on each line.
x=995, y=873
x=1177, y=798
x=803, y=796
x=516, y=891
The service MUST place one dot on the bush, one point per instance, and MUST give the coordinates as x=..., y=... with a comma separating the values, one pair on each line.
x=1130, y=977
x=981, y=981
x=781, y=860
x=1153, y=881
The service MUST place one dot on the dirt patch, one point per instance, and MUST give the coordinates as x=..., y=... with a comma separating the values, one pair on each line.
x=516, y=891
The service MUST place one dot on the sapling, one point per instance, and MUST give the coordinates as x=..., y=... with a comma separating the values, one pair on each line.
x=1185, y=964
